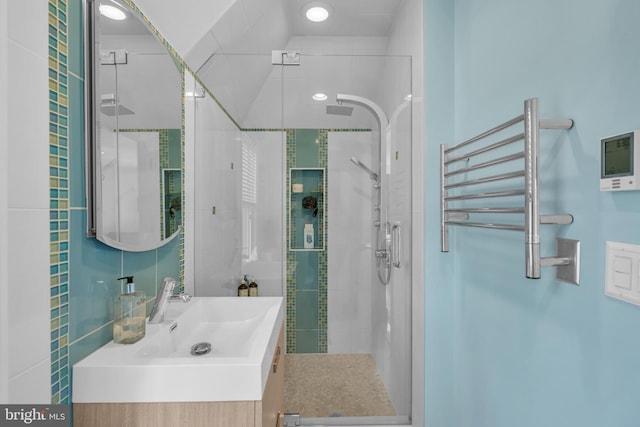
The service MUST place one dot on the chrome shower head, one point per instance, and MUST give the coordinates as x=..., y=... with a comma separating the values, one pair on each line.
x=110, y=106
x=372, y=174
x=112, y=110
x=340, y=110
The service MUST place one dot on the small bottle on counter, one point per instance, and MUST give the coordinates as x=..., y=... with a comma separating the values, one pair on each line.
x=253, y=287
x=243, y=289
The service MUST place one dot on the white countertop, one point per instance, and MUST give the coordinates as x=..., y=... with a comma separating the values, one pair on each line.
x=159, y=368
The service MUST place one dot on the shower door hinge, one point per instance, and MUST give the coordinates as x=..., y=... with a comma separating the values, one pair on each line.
x=285, y=57
x=291, y=420
x=113, y=57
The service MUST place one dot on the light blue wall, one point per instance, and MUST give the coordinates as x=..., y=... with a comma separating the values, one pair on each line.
x=439, y=273
x=504, y=350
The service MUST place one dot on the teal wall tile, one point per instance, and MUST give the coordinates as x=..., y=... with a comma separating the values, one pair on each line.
x=142, y=265
x=89, y=343
x=307, y=148
x=94, y=270
x=307, y=270
x=175, y=142
x=306, y=341
x=168, y=264
x=307, y=310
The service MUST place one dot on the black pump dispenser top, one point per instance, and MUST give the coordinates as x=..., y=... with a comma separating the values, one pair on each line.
x=129, y=286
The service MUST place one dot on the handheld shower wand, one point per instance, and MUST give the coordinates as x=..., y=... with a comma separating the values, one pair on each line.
x=372, y=174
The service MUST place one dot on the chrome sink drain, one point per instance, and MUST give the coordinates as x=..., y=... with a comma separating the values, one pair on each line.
x=200, y=348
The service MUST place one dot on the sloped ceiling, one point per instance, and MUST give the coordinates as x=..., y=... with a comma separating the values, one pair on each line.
x=183, y=22
x=229, y=42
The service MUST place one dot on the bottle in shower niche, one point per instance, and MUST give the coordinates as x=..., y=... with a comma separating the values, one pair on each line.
x=243, y=289
x=308, y=236
x=253, y=287
x=129, y=314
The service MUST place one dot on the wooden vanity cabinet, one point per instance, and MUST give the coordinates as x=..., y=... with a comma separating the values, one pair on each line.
x=272, y=403
x=262, y=413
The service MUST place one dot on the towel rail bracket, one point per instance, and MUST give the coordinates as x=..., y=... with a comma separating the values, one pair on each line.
x=567, y=262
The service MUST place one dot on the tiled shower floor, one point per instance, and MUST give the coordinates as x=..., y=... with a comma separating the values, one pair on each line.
x=335, y=385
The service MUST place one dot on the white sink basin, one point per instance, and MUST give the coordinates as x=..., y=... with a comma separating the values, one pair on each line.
x=160, y=368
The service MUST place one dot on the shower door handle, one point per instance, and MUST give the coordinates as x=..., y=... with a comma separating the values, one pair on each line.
x=395, y=245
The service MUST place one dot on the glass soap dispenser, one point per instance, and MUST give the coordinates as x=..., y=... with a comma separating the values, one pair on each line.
x=129, y=314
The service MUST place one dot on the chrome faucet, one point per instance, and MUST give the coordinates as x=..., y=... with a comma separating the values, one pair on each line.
x=164, y=297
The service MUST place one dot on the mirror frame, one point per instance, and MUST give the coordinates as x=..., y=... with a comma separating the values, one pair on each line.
x=92, y=160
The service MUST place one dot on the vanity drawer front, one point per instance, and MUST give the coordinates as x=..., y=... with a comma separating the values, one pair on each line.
x=273, y=398
x=169, y=414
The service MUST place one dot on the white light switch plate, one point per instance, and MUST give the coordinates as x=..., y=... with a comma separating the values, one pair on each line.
x=623, y=272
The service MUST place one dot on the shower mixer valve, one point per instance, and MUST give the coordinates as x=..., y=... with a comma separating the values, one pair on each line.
x=381, y=253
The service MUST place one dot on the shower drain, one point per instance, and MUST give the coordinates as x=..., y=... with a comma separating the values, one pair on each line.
x=200, y=348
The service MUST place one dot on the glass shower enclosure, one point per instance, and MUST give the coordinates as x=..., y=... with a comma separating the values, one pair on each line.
x=311, y=195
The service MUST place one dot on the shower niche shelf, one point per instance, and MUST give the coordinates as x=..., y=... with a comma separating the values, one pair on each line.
x=307, y=209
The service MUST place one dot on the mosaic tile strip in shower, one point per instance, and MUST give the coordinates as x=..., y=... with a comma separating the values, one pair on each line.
x=306, y=270
x=297, y=339
x=59, y=199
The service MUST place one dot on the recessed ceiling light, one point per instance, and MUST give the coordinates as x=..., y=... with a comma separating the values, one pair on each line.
x=317, y=14
x=319, y=97
x=112, y=12
x=316, y=11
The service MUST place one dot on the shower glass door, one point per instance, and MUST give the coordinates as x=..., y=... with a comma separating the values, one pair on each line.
x=238, y=180
x=273, y=171
x=349, y=304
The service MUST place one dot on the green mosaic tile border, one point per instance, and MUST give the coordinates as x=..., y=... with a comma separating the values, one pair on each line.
x=290, y=150
x=182, y=175
x=323, y=277
x=163, y=143
x=59, y=199
x=323, y=303
x=291, y=302
x=323, y=200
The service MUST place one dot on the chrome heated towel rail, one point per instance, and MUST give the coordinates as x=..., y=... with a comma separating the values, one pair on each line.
x=456, y=165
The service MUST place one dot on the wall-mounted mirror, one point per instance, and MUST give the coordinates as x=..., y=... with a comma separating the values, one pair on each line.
x=134, y=131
